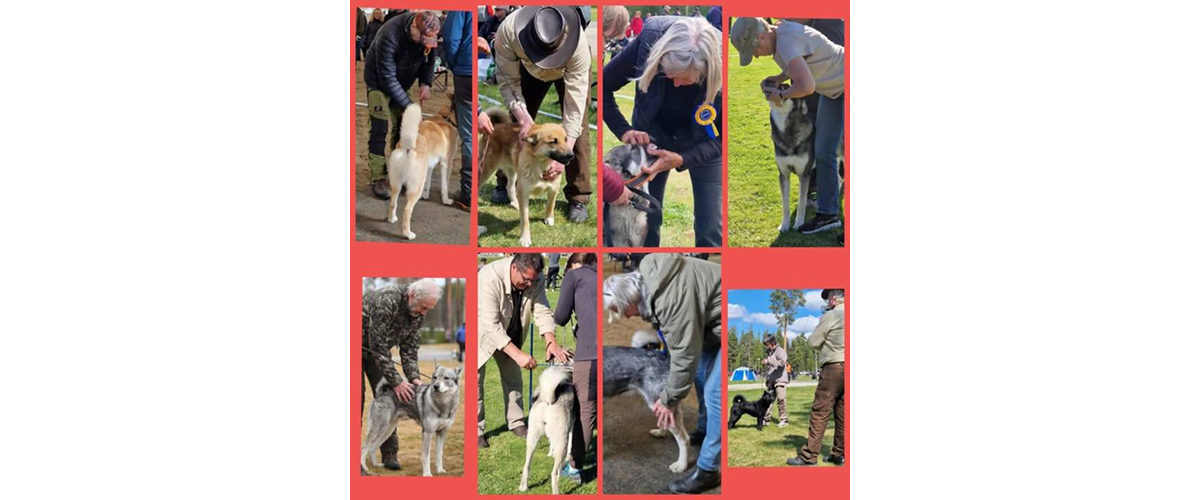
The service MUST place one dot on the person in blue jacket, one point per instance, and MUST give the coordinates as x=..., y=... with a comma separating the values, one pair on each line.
x=676, y=66
x=456, y=36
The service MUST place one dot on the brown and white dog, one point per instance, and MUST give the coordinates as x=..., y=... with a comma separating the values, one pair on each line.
x=524, y=161
x=424, y=144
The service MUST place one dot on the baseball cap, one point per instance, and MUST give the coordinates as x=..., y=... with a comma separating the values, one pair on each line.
x=429, y=25
x=744, y=36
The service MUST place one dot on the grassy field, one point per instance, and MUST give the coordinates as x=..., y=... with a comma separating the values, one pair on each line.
x=771, y=447
x=410, y=433
x=502, y=221
x=500, y=465
x=678, y=209
x=754, y=196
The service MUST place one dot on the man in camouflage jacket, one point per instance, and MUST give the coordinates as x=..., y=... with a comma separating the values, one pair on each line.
x=392, y=316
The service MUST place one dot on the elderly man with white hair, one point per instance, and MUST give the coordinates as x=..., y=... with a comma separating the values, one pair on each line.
x=681, y=296
x=392, y=316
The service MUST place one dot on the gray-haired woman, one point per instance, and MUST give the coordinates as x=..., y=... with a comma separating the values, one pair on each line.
x=678, y=104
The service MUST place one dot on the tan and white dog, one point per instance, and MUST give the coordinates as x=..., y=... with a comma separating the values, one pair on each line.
x=424, y=144
x=524, y=161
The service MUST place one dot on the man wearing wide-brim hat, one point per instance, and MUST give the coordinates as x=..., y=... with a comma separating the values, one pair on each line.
x=828, y=339
x=537, y=47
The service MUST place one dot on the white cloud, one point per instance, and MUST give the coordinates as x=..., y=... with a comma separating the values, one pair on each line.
x=803, y=325
x=762, y=319
x=813, y=301
x=736, y=311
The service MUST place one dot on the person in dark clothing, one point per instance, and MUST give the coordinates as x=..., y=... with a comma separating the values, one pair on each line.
x=400, y=54
x=488, y=30
x=372, y=28
x=360, y=31
x=457, y=37
x=677, y=64
x=714, y=16
x=393, y=13
x=578, y=298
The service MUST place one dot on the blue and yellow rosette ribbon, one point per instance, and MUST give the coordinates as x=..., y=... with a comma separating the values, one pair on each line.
x=706, y=117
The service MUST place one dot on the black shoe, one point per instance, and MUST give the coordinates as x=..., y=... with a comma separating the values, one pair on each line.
x=698, y=481
x=483, y=442
x=381, y=190
x=696, y=438
x=390, y=463
x=500, y=196
x=577, y=212
x=799, y=462
x=520, y=432
x=462, y=201
x=835, y=459
x=822, y=222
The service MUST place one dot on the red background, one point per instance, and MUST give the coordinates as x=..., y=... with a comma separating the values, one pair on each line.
x=742, y=268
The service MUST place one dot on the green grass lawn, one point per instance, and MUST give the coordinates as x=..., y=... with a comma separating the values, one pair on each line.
x=502, y=221
x=772, y=446
x=754, y=196
x=678, y=209
x=500, y=465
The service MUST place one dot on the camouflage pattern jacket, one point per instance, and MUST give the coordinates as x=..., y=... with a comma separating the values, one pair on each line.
x=387, y=321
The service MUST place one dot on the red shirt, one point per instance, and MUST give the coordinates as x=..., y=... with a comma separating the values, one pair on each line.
x=635, y=25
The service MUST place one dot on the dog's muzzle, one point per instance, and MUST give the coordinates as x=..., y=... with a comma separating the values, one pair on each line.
x=561, y=157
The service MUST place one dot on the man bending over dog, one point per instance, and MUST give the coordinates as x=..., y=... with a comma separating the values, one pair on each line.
x=682, y=297
x=776, y=363
x=392, y=317
x=401, y=53
x=510, y=291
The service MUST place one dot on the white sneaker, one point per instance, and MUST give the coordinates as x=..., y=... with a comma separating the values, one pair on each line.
x=783, y=424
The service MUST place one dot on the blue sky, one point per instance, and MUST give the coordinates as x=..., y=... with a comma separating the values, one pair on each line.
x=752, y=309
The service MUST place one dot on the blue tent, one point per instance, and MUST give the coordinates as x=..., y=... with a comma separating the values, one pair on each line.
x=742, y=374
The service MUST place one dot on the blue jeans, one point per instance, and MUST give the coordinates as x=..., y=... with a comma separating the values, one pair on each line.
x=706, y=194
x=830, y=124
x=708, y=392
x=464, y=115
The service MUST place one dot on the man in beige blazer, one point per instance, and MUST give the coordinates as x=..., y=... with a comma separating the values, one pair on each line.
x=511, y=292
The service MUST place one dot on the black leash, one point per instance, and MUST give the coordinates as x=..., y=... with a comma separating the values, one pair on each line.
x=365, y=348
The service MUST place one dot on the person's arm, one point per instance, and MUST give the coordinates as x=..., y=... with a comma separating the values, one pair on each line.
x=576, y=84
x=380, y=350
x=818, y=335
x=387, y=58
x=508, y=69
x=684, y=342
x=454, y=38
x=615, y=191
x=566, y=301
x=803, y=83
x=543, y=317
x=489, y=313
x=409, y=343
x=617, y=73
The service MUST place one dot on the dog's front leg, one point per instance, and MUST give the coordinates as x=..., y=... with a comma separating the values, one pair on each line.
x=551, y=199
x=523, y=209
x=802, y=206
x=426, y=440
x=681, y=438
x=785, y=184
x=446, y=181
x=441, y=445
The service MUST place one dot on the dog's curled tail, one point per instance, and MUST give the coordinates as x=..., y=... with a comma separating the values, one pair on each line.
x=410, y=125
x=549, y=381
x=645, y=339
x=499, y=116
x=739, y=399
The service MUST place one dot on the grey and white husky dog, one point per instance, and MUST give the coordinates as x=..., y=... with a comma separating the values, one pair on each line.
x=551, y=414
x=627, y=225
x=433, y=406
x=792, y=132
x=644, y=368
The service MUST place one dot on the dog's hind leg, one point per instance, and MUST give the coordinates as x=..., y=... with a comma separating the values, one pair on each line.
x=395, y=180
x=446, y=181
x=785, y=184
x=418, y=178
x=428, y=180
x=532, y=436
x=426, y=440
x=681, y=438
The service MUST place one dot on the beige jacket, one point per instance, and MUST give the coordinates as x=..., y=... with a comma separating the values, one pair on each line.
x=777, y=366
x=496, y=308
x=575, y=75
x=828, y=338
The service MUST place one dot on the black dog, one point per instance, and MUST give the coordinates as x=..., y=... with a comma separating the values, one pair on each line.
x=760, y=409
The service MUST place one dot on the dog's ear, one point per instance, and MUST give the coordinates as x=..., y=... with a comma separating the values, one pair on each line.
x=458, y=372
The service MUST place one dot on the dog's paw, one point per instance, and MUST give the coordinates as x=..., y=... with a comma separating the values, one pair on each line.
x=447, y=201
x=659, y=433
x=783, y=228
x=441, y=470
x=549, y=221
x=514, y=205
x=425, y=195
x=523, y=487
x=679, y=466
x=392, y=219
x=426, y=474
x=526, y=241
x=410, y=235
